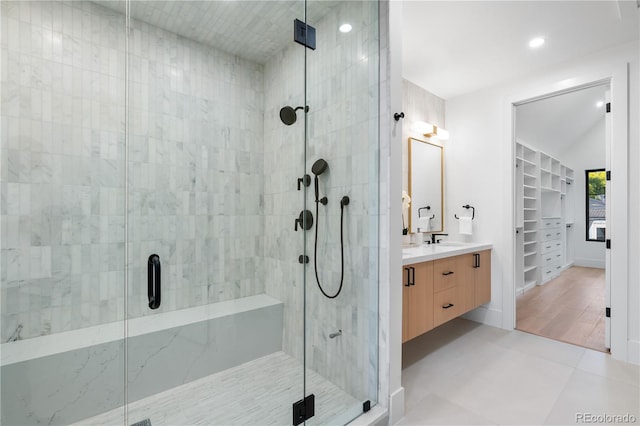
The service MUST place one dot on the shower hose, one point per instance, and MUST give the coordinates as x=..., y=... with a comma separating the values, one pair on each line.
x=315, y=253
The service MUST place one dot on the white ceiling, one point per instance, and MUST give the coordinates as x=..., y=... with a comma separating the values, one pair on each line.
x=254, y=30
x=554, y=124
x=455, y=47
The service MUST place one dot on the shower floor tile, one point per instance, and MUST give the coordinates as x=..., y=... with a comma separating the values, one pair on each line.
x=259, y=392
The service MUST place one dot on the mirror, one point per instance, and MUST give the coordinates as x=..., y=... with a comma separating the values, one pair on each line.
x=426, y=186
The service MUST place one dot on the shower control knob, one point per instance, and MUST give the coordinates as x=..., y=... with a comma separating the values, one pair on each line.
x=305, y=220
x=324, y=201
x=304, y=180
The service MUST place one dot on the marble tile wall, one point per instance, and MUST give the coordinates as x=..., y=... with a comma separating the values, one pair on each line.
x=342, y=95
x=195, y=168
x=62, y=171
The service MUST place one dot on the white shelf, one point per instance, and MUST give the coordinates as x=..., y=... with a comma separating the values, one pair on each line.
x=531, y=253
x=530, y=268
x=531, y=231
x=530, y=220
x=546, y=189
x=529, y=186
x=526, y=243
x=530, y=198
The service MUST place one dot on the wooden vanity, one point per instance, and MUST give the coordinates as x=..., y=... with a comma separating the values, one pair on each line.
x=441, y=283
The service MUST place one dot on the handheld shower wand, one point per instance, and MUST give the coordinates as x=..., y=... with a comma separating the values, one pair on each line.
x=317, y=169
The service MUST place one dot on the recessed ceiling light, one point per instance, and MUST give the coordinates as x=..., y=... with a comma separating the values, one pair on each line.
x=345, y=28
x=536, y=42
x=600, y=104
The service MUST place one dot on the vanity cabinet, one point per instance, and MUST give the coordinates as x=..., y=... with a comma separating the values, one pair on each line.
x=443, y=289
x=417, y=299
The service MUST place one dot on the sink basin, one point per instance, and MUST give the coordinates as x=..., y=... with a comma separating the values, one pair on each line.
x=451, y=244
x=411, y=245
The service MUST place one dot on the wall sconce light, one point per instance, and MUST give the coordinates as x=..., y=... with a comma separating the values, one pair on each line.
x=430, y=131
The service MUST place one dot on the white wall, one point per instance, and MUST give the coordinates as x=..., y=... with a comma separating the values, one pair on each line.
x=585, y=153
x=478, y=171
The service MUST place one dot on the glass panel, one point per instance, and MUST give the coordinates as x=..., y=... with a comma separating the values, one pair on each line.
x=341, y=303
x=596, y=223
x=62, y=184
x=212, y=174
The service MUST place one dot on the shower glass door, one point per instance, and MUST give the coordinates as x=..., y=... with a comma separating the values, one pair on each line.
x=62, y=211
x=215, y=290
x=341, y=298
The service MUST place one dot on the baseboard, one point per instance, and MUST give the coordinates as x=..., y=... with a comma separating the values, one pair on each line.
x=486, y=316
x=590, y=263
x=396, y=406
x=633, y=351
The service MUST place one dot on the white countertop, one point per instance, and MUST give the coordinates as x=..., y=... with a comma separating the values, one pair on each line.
x=425, y=252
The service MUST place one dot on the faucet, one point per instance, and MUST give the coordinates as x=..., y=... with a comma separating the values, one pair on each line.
x=433, y=238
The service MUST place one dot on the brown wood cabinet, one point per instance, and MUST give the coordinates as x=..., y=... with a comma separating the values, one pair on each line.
x=417, y=298
x=437, y=291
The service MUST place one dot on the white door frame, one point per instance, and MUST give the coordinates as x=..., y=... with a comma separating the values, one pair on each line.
x=616, y=76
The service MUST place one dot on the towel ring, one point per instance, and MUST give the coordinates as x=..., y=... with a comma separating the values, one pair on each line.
x=473, y=211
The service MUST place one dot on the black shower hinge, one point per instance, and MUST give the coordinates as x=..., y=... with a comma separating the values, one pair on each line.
x=303, y=410
x=304, y=34
x=303, y=259
x=608, y=244
x=607, y=312
x=608, y=106
x=608, y=174
x=366, y=406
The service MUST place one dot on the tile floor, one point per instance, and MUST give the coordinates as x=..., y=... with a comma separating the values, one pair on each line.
x=465, y=373
x=259, y=392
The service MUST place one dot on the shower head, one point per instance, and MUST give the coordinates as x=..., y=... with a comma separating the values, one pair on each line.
x=288, y=114
x=319, y=167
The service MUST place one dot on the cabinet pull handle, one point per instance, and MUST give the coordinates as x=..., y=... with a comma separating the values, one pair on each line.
x=476, y=260
x=448, y=273
x=154, y=285
x=408, y=277
x=548, y=258
x=548, y=235
x=447, y=306
x=413, y=275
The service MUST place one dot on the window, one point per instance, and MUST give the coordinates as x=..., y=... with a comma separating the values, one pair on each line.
x=596, y=184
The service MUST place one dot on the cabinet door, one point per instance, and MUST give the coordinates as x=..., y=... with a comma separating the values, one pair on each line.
x=417, y=300
x=466, y=283
x=483, y=278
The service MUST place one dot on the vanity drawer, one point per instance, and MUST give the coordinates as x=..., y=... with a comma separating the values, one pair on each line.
x=554, y=222
x=551, y=234
x=447, y=304
x=551, y=257
x=445, y=274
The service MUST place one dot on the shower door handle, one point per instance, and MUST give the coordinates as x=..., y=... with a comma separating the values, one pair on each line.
x=154, y=283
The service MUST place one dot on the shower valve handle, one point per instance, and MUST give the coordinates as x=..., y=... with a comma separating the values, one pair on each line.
x=305, y=220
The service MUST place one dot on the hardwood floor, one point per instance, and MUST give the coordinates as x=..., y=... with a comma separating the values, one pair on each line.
x=569, y=308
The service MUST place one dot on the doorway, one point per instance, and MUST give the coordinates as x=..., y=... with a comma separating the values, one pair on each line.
x=561, y=281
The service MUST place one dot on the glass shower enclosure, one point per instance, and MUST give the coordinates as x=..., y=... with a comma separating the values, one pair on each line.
x=189, y=212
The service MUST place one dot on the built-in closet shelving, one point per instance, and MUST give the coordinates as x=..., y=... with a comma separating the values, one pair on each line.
x=543, y=230
x=527, y=201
